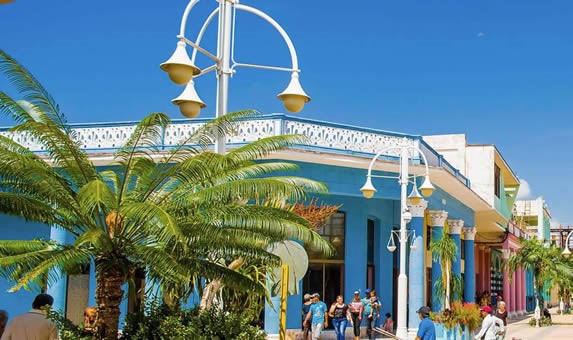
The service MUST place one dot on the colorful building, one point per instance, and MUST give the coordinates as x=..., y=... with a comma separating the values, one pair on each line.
x=497, y=237
x=476, y=211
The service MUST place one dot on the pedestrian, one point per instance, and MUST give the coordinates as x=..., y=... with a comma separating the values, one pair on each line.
x=426, y=329
x=490, y=325
x=305, y=309
x=356, y=308
x=34, y=324
x=318, y=315
x=3, y=321
x=340, y=316
x=371, y=307
x=388, y=323
x=501, y=313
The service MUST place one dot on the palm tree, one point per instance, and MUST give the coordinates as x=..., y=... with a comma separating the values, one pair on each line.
x=544, y=261
x=170, y=212
x=444, y=250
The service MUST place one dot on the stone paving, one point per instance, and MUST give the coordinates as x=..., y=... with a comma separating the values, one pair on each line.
x=517, y=329
x=562, y=328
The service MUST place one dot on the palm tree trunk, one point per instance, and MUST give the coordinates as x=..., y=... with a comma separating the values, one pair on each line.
x=213, y=287
x=447, y=286
x=108, y=298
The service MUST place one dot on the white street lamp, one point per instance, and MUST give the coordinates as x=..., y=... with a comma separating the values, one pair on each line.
x=566, y=251
x=427, y=189
x=182, y=69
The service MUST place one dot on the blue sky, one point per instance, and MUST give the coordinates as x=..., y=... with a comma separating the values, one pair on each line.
x=500, y=71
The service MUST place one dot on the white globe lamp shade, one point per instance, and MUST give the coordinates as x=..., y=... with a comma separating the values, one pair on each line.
x=566, y=252
x=427, y=188
x=179, y=67
x=368, y=189
x=189, y=102
x=293, y=96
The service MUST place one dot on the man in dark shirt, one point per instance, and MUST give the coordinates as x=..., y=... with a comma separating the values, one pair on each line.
x=426, y=329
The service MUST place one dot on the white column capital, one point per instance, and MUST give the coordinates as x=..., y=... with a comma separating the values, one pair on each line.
x=418, y=210
x=437, y=217
x=505, y=253
x=469, y=233
x=455, y=226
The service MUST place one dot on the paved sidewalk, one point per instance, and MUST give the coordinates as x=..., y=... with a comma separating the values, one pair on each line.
x=562, y=328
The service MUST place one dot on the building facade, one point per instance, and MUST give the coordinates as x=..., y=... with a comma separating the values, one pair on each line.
x=498, y=237
x=339, y=156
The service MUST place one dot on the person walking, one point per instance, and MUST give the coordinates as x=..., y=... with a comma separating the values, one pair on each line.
x=371, y=307
x=489, y=325
x=356, y=308
x=426, y=328
x=340, y=315
x=34, y=324
x=318, y=315
x=501, y=313
x=305, y=309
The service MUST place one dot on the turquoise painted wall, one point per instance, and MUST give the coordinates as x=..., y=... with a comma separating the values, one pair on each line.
x=344, y=185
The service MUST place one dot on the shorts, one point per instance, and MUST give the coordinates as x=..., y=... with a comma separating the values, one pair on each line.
x=317, y=330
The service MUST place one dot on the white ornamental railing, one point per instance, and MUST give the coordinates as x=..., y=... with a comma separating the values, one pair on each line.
x=321, y=136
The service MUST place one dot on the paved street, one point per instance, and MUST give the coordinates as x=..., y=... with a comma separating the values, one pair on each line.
x=562, y=329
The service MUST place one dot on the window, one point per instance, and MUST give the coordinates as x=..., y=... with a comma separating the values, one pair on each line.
x=370, y=272
x=497, y=180
x=332, y=232
x=326, y=275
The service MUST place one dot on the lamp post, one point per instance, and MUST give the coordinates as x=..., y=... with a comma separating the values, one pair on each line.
x=368, y=190
x=182, y=69
x=566, y=251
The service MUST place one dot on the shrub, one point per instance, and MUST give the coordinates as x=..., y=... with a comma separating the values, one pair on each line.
x=542, y=322
x=466, y=315
x=160, y=322
x=68, y=330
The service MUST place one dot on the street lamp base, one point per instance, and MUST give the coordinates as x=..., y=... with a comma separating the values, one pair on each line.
x=402, y=333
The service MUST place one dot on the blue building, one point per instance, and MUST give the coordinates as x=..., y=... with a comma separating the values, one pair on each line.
x=337, y=155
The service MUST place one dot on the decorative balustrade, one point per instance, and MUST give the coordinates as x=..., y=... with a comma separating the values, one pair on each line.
x=321, y=136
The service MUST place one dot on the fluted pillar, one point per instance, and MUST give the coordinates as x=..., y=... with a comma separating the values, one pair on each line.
x=455, y=231
x=514, y=295
x=524, y=295
x=506, y=285
x=416, y=267
x=469, y=265
x=437, y=220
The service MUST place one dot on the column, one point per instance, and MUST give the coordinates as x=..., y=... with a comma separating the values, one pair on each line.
x=416, y=267
x=482, y=262
x=455, y=231
x=477, y=266
x=522, y=292
x=487, y=251
x=512, y=308
x=506, y=284
x=469, y=267
x=437, y=219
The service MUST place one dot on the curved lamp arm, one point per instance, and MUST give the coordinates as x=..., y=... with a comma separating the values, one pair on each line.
x=411, y=147
x=283, y=33
x=202, y=32
x=190, y=6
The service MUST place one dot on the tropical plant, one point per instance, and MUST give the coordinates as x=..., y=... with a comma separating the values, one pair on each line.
x=545, y=262
x=182, y=214
x=444, y=251
x=163, y=322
